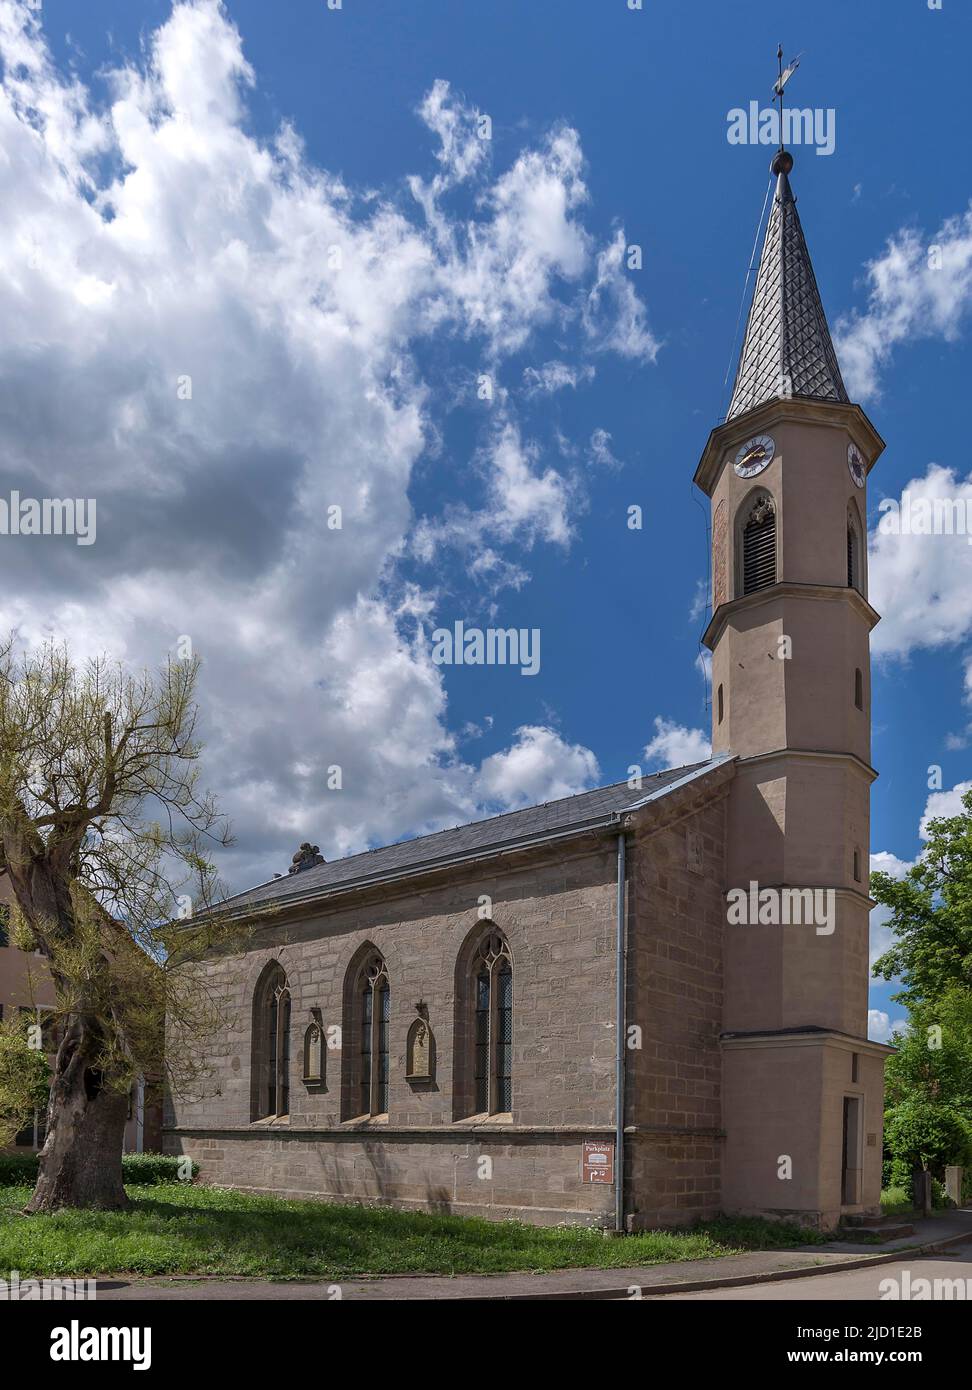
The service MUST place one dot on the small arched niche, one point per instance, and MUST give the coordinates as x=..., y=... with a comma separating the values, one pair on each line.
x=315, y=1054
x=420, y=1052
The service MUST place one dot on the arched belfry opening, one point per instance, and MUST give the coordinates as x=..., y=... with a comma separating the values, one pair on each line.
x=757, y=543
x=855, y=577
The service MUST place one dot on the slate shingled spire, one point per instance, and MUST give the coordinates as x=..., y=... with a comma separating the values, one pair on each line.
x=787, y=349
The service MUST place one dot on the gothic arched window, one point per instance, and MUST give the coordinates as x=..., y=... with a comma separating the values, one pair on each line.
x=270, y=1045
x=759, y=546
x=493, y=1027
x=368, y=1081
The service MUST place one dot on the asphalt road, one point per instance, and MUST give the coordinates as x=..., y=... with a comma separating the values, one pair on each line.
x=856, y=1285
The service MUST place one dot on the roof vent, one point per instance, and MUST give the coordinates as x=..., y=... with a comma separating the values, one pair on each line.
x=305, y=858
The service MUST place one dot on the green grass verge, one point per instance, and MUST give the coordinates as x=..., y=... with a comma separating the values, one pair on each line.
x=180, y=1229
x=895, y=1201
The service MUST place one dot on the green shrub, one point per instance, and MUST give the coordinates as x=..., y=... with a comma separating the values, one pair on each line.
x=18, y=1170
x=940, y=1198
x=151, y=1169
x=138, y=1170
x=922, y=1134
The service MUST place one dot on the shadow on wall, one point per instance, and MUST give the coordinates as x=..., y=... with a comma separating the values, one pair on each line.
x=364, y=1177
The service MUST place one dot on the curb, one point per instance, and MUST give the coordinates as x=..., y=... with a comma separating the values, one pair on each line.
x=774, y=1276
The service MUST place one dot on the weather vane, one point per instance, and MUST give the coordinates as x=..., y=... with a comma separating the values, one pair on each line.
x=781, y=82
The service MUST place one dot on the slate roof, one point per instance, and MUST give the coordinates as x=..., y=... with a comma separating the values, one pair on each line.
x=787, y=350
x=475, y=839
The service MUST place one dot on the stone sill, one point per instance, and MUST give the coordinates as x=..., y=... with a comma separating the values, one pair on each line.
x=350, y=1129
x=493, y=1125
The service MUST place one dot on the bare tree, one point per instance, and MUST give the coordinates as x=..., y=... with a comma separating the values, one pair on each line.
x=102, y=831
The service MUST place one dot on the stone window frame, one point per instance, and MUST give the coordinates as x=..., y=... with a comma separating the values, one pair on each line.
x=486, y=946
x=367, y=973
x=270, y=1046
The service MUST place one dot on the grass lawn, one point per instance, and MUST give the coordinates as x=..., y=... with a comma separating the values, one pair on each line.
x=895, y=1201
x=182, y=1229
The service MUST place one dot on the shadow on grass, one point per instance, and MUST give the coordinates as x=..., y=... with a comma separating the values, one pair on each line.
x=203, y=1230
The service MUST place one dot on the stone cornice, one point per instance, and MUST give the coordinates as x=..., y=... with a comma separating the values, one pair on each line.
x=811, y=755
x=840, y=891
x=833, y=414
x=804, y=1037
x=788, y=589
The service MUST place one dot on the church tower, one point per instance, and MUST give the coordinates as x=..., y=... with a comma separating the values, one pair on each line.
x=786, y=474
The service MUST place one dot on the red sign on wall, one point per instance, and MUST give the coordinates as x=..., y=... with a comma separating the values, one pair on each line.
x=597, y=1160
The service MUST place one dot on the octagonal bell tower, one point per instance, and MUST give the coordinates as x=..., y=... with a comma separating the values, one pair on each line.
x=786, y=474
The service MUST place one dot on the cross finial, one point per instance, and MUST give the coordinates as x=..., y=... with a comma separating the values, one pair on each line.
x=779, y=89
x=780, y=83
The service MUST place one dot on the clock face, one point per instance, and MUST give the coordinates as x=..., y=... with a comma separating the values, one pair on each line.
x=855, y=463
x=755, y=455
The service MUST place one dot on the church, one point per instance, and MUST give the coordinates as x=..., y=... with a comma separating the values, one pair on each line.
x=553, y=1014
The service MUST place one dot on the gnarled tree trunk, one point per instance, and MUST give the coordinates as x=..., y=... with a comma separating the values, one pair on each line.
x=80, y=1163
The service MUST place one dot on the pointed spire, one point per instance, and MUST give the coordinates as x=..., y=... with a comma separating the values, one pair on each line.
x=787, y=350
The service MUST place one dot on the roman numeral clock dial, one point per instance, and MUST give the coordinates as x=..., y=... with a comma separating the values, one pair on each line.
x=855, y=463
x=755, y=455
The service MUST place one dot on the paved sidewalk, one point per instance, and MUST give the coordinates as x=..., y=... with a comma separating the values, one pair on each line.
x=758, y=1266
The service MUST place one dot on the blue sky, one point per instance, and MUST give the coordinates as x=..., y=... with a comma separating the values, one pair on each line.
x=608, y=128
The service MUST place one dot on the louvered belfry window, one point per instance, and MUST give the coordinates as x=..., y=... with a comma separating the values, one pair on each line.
x=759, y=547
x=853, y=563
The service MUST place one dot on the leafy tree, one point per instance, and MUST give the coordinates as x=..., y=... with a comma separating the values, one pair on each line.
x=925, y=1134
x=102, y=829
x=931, y=913
x=933, y=1061
x=928, y=1116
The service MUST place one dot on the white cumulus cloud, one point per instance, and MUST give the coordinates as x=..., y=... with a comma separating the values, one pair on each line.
x=674, y=745
x=917, y=288
x=539, y=766
x=880, y=1028
x=217, y=339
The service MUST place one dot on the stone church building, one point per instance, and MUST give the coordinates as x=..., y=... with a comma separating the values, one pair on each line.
x=636, y=1006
